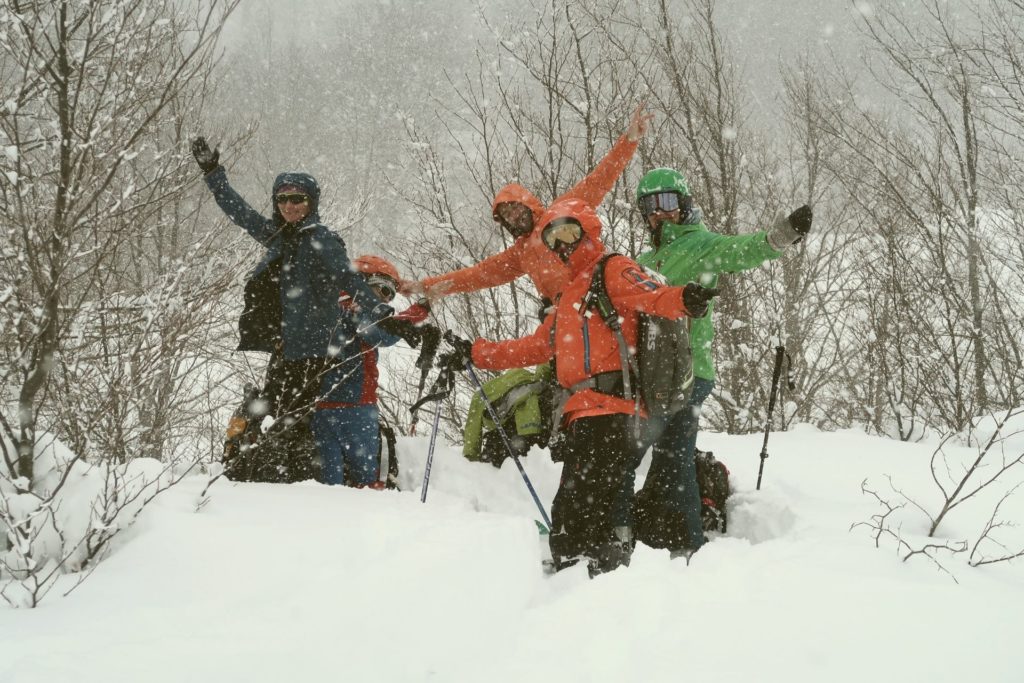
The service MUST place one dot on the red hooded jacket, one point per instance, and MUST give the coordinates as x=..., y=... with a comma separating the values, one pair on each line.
x=528, y=255
x=583, y=345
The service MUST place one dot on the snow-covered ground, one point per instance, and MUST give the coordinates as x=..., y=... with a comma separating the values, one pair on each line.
x=311, y=583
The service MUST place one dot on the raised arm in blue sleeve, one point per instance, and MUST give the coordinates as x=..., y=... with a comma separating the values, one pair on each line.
x=237, y=209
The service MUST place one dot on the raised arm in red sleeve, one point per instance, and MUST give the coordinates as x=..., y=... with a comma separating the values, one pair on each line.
x=601, y=180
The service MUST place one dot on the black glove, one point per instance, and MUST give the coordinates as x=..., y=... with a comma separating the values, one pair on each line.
x=401, y=328
x=461, y=354
x=208, y=160
x=801, y=220
x=381, y=312
x=697, y=298
x=431, y=337
x=791, y=229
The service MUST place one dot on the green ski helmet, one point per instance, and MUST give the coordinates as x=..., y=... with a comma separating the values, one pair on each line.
x=662, y=180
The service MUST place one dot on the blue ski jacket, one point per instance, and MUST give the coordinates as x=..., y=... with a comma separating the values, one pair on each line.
x=292, y=293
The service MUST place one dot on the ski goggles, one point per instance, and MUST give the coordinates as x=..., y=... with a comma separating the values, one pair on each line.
x=383, y=287
x=664, y=202
x=564, y=230
x=292, y=198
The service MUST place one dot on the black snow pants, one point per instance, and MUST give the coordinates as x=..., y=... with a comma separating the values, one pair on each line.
x=287, y=452
x=597, y=452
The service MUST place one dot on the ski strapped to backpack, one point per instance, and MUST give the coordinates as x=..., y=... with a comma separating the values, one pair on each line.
x=662, y=365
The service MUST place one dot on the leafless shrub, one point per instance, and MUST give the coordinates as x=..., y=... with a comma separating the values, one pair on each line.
x=986, y=478
x=107, y=320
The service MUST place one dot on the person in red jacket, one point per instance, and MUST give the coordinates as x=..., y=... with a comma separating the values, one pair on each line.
x=383, y=278
x=346, y=420
x=519, y=211
x=596, y=419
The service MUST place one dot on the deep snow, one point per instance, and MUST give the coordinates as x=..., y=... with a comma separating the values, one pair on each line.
x=307, y=582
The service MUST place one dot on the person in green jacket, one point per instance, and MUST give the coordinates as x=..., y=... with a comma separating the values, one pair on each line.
x=667, y=514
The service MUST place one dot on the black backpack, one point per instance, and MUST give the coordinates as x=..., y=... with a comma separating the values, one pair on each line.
x=285, y=454
x=713, y=484
x=663, y=363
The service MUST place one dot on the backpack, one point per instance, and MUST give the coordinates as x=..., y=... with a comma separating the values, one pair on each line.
x=656, y=529
x=662, y=364
x=285, y=454
x=522, y=400
x=713, y=484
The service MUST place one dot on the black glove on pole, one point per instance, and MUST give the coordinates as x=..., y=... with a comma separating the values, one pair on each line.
x=207, y=159
x=431, y=339
x=697, y=298
x=462, y=350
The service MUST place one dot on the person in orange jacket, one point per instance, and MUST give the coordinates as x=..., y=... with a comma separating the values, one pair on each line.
x=518, y=211
x=599, y=442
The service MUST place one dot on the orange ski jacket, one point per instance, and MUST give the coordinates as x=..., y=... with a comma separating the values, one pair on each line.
x=580, y=341
x=527, y=255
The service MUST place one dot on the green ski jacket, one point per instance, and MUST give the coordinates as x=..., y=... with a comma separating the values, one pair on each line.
x=690, y=253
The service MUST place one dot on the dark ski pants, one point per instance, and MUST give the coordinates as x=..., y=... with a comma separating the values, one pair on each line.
x=347, y=439
x=349, y=443
x=596, y=453
x=671, y=486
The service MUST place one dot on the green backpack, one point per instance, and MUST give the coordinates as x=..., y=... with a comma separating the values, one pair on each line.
x=521, y=399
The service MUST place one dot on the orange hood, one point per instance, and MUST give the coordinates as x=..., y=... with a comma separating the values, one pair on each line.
x=591, y=247
x=518, y=193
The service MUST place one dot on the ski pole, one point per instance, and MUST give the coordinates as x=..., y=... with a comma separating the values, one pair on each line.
x=508, y=444
x=780, y=351
x=430, y=453
x=442, y=387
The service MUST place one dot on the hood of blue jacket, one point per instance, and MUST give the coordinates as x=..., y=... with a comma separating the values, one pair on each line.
x=309, y=186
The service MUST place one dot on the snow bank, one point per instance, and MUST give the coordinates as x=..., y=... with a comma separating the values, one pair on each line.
x=271, y=583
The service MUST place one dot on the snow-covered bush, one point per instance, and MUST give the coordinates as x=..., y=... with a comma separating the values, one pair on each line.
x=63, y=521
x=106, y=323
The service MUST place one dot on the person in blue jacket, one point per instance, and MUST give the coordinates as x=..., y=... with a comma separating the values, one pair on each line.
x=292, y=305
x=346, y=423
